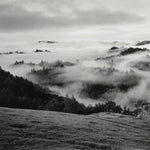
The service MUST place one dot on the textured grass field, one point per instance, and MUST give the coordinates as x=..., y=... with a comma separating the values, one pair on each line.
x=44, y=130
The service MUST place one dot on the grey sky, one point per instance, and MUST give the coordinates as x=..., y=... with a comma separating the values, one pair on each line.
x=29, y=15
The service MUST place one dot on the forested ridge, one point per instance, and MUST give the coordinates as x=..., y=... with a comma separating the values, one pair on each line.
x=17, y=92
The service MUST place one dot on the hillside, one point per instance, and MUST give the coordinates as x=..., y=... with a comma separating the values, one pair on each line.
x=46, y=130
x=16, y=92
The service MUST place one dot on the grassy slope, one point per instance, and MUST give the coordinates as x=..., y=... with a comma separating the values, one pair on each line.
x=44, y=130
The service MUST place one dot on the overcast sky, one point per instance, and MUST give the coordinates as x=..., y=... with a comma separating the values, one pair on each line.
x=103, y=19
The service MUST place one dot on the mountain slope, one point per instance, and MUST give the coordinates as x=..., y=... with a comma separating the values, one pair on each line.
x=46, y=130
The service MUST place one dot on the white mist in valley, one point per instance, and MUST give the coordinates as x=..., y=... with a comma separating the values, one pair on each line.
x=91, y=72
x=62, y=50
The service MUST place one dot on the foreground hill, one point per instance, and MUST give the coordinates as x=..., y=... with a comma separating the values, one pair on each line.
x=46, y=130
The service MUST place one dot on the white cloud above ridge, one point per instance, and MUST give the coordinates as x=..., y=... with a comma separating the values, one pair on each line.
x=15, y=15
x=105, y=19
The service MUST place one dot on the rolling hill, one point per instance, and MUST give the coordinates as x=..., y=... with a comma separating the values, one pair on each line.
x=46, y=130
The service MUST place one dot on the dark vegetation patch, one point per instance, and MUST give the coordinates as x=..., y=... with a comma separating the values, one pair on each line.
x=56, y=64
x=97, y=90
x=39, y=51
x=50, y=42
x=114, y=48
x=142, y=43
x=132, y=51
x=19, y=52
x=48, y=76
x=19, y=62
x=10, y=53
x=50, y=73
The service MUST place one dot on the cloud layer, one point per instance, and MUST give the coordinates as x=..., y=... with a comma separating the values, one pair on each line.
x=25, y=15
